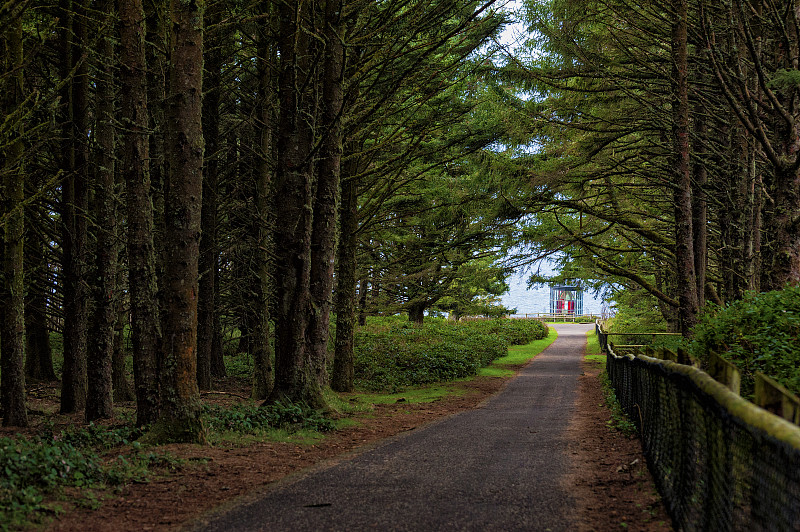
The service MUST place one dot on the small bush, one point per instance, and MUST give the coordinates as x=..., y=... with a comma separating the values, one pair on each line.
x=252, y=419
x=757, y=333
x=32, y=468
x=99, y=437
x=390, y=353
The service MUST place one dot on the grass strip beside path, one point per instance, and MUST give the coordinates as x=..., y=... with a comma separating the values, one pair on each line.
x=517, y=355
x=502, y=367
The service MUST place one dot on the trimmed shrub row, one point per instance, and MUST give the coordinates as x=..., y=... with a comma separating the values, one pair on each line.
x=390, y=353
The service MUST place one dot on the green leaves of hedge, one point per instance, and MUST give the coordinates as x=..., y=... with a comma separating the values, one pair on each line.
x=760, y=332
x=391, y=353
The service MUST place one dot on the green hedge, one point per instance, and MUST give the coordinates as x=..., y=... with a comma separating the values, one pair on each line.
x=757, y=333
x=390, y=353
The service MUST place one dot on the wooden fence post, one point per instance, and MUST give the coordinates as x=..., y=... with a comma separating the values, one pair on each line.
x=773, y=397
x=724, y=372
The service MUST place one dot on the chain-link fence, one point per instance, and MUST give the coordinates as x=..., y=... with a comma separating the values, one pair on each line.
x=719, y=462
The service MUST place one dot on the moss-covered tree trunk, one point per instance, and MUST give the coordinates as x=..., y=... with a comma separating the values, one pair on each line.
x=12, y=300
x=342, y=378
x=142, y=283
x=99, y=401
x=295, y=372
x=363, y=292
x=75, y=203
x=700, y=207
x=120, y=385
x=263, y=371
x=208, y=241
x=326, y=199
x=682, y=184
x=217, y=356
x=156, y=13
x=180, y=398
x=785, y=226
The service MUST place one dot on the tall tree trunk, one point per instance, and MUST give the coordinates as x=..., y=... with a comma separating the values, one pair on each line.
x=207, y=307
x=180, y=398
x=145, y=321
x=119, y=379
x=416, y=312
x=363, y=291
x=342, y=378
x=263, y=372
x=785, y=267
x=755, y=207
x=12, y=300
x=682, y=184
x=295, y=377
x=326, y=201
x=731, y=214
x=156, y=12
x=75, y=205
x=700, y=207
x=38, y=351
x=101, y=333
x=217, y=356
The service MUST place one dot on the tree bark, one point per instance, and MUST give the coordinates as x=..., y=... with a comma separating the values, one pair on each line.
x=682, y=184
x=755, y=208
x=12, y=292
x=363, y=291
x=145, y=321
x=119, y=380
x=416, y=313
x=295, y=377
x=263, y=372
x=342, y=378
x=326, y=201
x=207, y=307
x=156, y=47
x=785, y=227
x=700, y=208
x=38, y=351
x=75, y=206
x=217, y=356
x=180, y=398
x=99, y=404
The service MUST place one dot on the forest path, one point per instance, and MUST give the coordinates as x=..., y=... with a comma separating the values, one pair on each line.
x=502, y=466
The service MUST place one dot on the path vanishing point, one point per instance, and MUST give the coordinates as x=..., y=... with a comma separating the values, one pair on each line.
x=501, y=466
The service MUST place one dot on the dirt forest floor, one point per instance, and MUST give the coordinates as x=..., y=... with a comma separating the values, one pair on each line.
x=610, y=480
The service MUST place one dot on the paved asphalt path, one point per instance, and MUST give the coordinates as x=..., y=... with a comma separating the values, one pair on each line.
x=498, y=467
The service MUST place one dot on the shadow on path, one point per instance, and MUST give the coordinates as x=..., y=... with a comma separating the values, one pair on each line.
x=499, y=467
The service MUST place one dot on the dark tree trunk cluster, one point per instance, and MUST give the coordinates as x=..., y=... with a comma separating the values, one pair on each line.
x=197, y=183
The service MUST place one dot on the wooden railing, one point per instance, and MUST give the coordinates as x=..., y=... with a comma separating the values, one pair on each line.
x=719, y=461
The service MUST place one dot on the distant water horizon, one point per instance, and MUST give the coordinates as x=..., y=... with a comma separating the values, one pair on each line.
x=537, y=300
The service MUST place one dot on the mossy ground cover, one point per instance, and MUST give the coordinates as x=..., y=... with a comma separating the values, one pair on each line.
x=425, y=394
x=37, y=472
